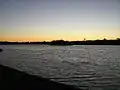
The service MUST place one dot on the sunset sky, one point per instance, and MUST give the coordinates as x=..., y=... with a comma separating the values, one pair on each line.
x=46, y=20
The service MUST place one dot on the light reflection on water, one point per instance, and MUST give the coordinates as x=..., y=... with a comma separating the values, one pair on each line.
x=88, y=67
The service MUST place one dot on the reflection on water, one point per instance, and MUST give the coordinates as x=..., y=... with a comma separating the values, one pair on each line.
x=88, y=67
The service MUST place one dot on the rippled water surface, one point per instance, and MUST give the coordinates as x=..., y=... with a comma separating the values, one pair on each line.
x=90, y=67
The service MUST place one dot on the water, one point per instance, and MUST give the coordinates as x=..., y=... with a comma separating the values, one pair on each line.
x=90, y=67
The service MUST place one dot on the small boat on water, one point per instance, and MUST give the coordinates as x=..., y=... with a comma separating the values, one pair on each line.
x=1, y=50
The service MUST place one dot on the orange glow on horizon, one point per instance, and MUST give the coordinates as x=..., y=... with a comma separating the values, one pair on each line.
x=33, y=39
x=48, y=35
x=20, y=39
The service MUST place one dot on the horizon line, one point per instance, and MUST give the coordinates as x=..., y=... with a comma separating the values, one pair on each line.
x=61, y=39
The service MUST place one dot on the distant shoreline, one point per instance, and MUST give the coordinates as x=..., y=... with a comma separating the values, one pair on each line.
x=65, y=43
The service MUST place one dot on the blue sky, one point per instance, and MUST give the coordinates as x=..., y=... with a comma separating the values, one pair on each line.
x=34, y=20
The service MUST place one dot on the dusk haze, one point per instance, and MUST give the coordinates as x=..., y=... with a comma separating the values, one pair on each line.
x=46, y=20
x=60, y=44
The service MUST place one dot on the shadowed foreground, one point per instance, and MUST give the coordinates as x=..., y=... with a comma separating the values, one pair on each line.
x=1, y=50
x=17, y=80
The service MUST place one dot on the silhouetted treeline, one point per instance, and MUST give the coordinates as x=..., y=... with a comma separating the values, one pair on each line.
x=88, y=42
x=62, y=42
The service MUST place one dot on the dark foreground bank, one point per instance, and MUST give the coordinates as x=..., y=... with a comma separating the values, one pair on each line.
x=12, y=79
x=1, y=50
